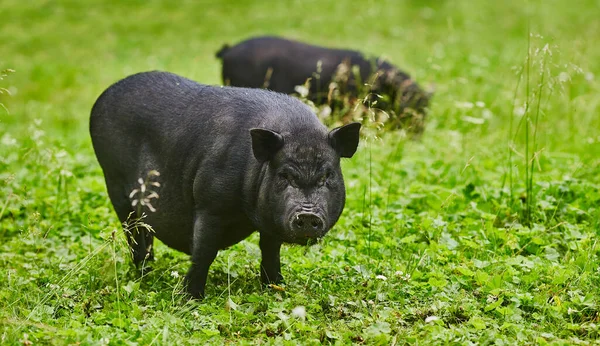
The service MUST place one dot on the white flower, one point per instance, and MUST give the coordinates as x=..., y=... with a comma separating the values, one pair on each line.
x=299, y=312
x=8, y=140
x=520, y=111
x=563, y=77
x=589, y=76
x=325, y=112
x=302, y=90
x=464, y=104
x=473, y=120
x=430, y=319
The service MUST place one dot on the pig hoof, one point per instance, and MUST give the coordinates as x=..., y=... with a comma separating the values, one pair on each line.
x=195, y=294
x=275, y=280
x=193, y=291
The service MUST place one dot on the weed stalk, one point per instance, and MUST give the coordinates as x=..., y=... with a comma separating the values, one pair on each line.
x=535, y=128
x=527, y=214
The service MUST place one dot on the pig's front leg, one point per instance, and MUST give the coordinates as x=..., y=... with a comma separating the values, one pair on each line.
x=205, y=245
x=270, y=268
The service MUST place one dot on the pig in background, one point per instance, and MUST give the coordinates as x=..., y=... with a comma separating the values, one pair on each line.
x=231, y=161
x=331, y=76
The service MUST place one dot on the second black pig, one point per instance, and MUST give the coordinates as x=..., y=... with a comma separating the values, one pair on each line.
x=231, y=161
x=279, y=64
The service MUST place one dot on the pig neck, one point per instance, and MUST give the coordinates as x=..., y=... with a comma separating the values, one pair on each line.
x=254, y=191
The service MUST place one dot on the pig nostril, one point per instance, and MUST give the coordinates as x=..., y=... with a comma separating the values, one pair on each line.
x=308, y=223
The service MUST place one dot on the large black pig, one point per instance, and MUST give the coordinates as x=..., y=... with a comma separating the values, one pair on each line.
x=231, y=161
x=279, y=64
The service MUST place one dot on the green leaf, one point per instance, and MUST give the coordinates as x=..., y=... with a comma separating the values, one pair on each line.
x=435, y=282
x=408, y=239
x=494, y=304
x=465, y=271
x=210, y=332
x=481, y=277
x=119, y=322
x=477, y=323
x=378, y=328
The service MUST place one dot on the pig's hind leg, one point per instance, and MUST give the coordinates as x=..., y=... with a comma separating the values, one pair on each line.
x=139, y=236
x=205, y=245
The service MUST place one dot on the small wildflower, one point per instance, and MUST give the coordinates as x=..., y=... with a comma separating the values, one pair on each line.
x=381, y=277
x=402, y=275
x=301, y=90
x=8, y=140
x=520, y=111
x=589, y=76
x=133, y=192
x=430, y=319
x=491, y=298
x=473, y=120
x=37, y=134
x=143, y=195
x=563, y=77
x=325, y=112
x=26, y=341
x=53, y=286
x=299, y=312
x=175, y=274
x=465, y=105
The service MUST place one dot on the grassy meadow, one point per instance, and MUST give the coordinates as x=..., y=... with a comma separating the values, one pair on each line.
x=486, y=231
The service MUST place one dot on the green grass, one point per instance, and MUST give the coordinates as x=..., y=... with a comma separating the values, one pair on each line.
x=485, y=231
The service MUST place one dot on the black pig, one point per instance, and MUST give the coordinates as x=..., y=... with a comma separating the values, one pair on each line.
x=231, y=161
x=279, y=64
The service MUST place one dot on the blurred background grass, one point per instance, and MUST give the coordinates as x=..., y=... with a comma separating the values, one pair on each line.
x=67, y=52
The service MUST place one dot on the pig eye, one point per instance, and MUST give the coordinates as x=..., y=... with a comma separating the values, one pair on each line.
x=289, y=178
x=285, y=176
x=324, y=178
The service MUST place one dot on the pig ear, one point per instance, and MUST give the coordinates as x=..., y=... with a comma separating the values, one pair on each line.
x=345, y=139
x=265, y=143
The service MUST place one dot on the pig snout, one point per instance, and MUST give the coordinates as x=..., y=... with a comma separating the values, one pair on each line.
x=308, y=223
